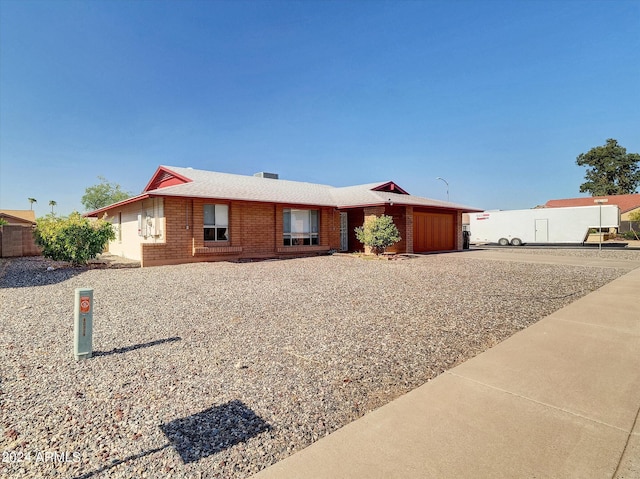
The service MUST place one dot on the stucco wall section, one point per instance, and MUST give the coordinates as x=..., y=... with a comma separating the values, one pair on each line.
x=125, y=223
x=625, y=216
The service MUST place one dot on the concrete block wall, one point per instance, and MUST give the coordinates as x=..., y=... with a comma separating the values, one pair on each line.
x=17, y=241
x=11, y=241
x=29, y=246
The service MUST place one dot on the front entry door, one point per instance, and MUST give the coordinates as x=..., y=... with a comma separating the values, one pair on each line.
x=344, y=232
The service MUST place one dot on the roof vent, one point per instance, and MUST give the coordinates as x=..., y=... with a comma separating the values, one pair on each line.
x=264, y=174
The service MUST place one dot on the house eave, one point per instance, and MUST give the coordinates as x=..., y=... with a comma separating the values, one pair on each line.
x=464, y=209
x=100, y=211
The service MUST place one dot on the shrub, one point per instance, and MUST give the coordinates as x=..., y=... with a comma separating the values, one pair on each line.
x=378, y=233
x=74, y=239
x=3, y=222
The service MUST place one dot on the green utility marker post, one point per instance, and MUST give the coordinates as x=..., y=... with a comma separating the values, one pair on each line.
x=83, y=324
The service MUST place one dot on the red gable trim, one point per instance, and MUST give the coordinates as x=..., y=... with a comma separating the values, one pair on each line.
x=164, y=177
x=390, y=187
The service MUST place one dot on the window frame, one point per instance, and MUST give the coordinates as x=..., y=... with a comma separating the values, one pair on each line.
x=292, y=236
x=220, y=228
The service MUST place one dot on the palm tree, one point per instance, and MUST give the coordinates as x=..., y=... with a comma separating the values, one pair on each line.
x=52, y=204
x=32, y=201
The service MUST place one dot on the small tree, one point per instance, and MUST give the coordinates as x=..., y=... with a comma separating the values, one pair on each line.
x=103, y=194
x=32, y=201
x=52, y=203
x=74, y=239
x=3, y=222
x=378, y=233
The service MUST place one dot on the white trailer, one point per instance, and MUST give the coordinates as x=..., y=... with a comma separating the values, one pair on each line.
x=541, y=225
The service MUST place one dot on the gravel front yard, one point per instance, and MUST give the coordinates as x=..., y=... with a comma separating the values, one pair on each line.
x=221, y=369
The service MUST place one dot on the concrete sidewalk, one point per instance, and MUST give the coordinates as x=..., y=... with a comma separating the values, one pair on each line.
x=557, y=400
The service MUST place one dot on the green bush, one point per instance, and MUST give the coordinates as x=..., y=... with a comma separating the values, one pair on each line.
x=378, y=234
x=74, y=239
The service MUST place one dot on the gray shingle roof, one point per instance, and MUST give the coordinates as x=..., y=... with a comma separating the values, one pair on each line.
x=211, y=184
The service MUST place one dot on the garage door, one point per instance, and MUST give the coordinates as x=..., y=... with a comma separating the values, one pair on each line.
x=433, y=232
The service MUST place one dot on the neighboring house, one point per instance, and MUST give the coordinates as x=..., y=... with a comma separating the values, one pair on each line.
x=187, y=215
x=16, y=237
x=627, y=203
x=19, y=217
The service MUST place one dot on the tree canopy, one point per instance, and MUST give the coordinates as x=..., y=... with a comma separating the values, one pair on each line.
x=103, y=194
x=610, y=170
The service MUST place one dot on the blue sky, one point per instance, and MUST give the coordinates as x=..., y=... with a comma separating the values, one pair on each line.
x=497, y=97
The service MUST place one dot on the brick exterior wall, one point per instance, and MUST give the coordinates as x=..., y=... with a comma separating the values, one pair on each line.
x=399, y=215
x=371, y=213
x=409, y=228
x=458, y=226
x=178, y=245
x=255, y=232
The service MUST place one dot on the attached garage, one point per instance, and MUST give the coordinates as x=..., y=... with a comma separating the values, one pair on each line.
x=434, y=231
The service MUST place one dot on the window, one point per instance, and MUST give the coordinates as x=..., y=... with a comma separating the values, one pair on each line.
x=300, y=227
x=216, y=222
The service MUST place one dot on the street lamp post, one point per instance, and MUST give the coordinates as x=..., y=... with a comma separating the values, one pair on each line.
x=599, y=203
x=445, y=181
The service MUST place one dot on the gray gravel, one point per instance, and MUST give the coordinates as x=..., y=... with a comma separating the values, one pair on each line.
x=607, y=252
x=221, y=369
